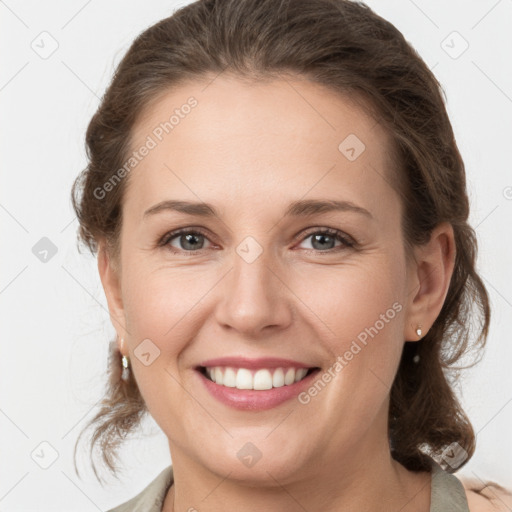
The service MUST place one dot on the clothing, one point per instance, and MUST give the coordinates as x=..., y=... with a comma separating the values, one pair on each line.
x=447, y=493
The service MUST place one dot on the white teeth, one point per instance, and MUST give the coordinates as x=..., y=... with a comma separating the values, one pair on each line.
x=243, y=379
x=278, y=378
x=262, y=379
x=289, y=376
x=229, y=378
x=300, y=374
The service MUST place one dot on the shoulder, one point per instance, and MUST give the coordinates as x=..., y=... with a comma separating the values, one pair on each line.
x=151, y=498
x=487, y=497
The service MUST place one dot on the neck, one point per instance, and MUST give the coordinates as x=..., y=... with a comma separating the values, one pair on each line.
x=364, y=478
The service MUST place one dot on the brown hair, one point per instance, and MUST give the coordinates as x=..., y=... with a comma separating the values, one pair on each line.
x=345, y=46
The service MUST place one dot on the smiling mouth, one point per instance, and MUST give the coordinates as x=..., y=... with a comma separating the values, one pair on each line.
x=258, y=380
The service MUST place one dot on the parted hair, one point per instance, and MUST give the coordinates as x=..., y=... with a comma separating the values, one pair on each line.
x=345, y=46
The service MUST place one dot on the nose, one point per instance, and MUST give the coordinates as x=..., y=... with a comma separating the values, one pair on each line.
x=256, y=298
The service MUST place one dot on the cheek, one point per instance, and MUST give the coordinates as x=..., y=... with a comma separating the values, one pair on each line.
x=352, y=297
x=360, y=308
x=160, y=302
x=161, y=308
x=160, y=314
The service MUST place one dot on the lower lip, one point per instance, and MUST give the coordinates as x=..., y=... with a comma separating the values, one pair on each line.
x=250, y=399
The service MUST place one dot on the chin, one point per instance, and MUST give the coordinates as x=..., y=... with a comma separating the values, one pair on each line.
x=255, y=464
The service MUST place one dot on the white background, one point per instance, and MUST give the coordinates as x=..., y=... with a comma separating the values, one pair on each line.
x=54, y=324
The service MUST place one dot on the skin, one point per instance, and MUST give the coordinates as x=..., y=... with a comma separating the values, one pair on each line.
x=251, y=149
x=483, y=497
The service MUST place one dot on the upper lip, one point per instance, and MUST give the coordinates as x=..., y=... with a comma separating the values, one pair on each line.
x=261, y=362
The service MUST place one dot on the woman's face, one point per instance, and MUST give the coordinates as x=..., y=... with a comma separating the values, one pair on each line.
x=260, y=278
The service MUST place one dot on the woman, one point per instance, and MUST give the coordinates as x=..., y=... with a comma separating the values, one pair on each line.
x=280, y=215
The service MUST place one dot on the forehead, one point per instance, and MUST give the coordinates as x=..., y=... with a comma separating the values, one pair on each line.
x=286, y=134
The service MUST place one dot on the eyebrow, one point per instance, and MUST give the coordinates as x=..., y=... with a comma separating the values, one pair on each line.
x=300, y=208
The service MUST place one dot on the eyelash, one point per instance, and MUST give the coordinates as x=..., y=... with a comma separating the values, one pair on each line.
x=347, y=241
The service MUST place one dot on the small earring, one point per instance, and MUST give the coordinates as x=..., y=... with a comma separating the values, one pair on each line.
x=418, y=332
x=126, y=367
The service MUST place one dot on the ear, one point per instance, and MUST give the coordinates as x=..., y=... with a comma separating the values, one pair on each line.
x=429, y=276
x=111, y=282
